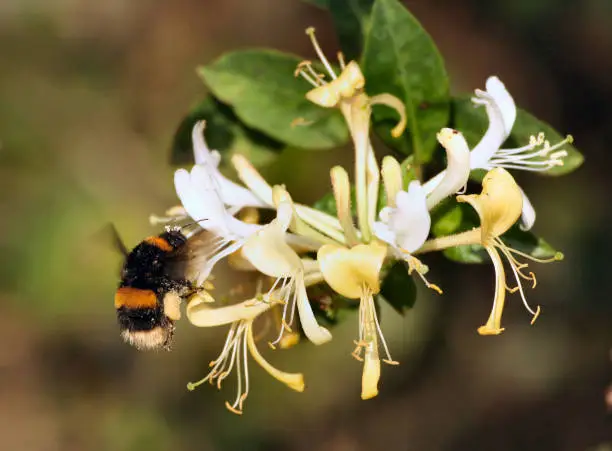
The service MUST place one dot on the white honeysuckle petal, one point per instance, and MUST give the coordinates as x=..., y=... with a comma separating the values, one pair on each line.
x=528, y=214
x=199, y=195
x=497, y=90
x=201, y=152
x=189, y=197
x=431, y=184
x=384, y=233
x=201, y=313
x=457, y=169
x=314, y=332
x=501, y=112
x=231, y=193
x=235, y=195
x=268, y=251
x=410, y=221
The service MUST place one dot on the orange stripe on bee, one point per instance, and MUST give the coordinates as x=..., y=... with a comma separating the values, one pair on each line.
x=135, y=298
x=159, y=242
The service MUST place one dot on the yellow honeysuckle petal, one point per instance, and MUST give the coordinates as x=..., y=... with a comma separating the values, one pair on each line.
x=294, y=381
x=392, y=178
x=267, y=249
x=345, y=86
x=347, y=270
x=392, y=102
x=342, y=194
x=371, y=371
x=493, y=324
x=499, y=205
x=201, y=314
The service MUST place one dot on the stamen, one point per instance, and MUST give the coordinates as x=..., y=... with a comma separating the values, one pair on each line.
x=529, y=157
x=310, y=31
x=389, y=359
x=517, y=275
x=299, y=71
x=414, y=264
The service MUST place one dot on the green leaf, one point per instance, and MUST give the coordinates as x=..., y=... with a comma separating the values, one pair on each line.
x=527, y=125
x=446, y=218
x=528, y=243
x=398, y=288
x=224, y=132
x=473, y=123
x=351, y=20
x=470, y=120
x=327, y=203
x=401, y=58
x=261, y=88
x=454, y=217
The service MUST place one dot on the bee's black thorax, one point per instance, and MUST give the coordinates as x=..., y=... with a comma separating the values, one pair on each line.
x=146, y=266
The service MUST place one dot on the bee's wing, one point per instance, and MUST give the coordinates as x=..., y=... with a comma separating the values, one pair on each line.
x=188, y=260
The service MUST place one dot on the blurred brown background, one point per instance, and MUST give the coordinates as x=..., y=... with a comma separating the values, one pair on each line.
x=90, y=95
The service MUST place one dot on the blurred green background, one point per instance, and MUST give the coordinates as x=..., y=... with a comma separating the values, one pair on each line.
x=90, y=95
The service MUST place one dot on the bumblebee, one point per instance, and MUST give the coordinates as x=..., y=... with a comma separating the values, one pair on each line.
x=152, y=287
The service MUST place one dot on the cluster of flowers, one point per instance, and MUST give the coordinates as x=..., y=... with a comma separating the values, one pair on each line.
x=349, y=256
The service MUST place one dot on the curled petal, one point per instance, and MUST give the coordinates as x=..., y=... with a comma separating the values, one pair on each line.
x=371, y=371
x=528, y=214
x=231, y=193
x=493, y=324
x=458, y=166
x=501, y=112
x=392, y=102
x=295, y=381
x=314, y=332
x=201, y=314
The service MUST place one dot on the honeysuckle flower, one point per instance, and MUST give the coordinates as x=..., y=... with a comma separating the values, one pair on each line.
x=537, y=156
x=405, y=221
x=270, y=254
x=346, y=92
x=499, y=207
x=355, y=274
x=239, y=343
x=232, y=194
x=199, y=195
